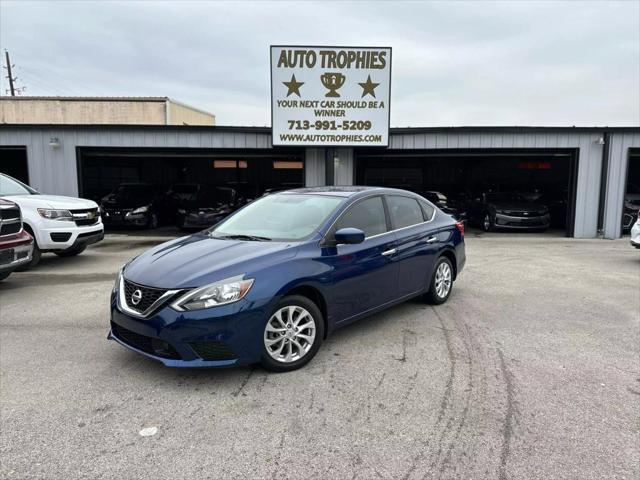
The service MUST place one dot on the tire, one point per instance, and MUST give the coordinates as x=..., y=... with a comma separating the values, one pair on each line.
x=287, y=341
x=72, y=252
x=437, y=294
x=35, y=258
x=487, y=223
x=4, y=275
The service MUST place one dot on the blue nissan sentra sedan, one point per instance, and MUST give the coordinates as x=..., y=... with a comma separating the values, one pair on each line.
x=270, y=282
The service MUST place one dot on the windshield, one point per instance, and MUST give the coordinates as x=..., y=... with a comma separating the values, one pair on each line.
x=505, y=197
x=11, y=186
x=282, y=216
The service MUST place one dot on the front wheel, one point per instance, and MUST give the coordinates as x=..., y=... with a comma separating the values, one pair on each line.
x=4, y=275
x=441, y=282
x=153, y=221
x=293, y=334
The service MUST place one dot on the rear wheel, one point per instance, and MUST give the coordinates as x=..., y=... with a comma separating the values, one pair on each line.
x=441, y=282
x=72, y=252
x=293, y=334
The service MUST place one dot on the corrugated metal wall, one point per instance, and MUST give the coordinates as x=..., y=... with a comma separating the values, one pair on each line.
x=616, y=180
x=53, y=170
x=590, y=160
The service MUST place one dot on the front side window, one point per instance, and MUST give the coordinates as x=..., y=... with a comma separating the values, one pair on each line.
x=405, y=211
x=367, y=215
x=281, y=216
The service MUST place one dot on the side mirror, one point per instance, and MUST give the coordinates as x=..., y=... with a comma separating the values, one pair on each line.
x=349, y=236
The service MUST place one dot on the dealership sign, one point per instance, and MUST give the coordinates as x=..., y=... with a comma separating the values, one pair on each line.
x=330, y=96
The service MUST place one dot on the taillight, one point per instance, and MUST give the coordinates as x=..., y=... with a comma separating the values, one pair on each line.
x=460, y=227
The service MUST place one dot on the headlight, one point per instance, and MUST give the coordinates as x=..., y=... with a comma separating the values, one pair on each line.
x=55, y=214
x=116, y=285
x=144, y=209
x=182, y=211
x=220, y=293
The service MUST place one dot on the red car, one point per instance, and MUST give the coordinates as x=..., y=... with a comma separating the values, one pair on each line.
x=16, y=245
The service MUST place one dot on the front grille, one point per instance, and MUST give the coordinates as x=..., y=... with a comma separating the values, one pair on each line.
x=526, y=214
x=85, y=216
x=9, y=213
x=212, y=350
x=151, y=345
x=10, y=221
x=149, y=296
x=10, y=228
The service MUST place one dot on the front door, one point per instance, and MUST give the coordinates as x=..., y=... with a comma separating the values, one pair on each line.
x=364, y=276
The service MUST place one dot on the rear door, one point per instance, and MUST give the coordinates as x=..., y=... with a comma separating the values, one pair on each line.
x=417, y=242
x=364, y=276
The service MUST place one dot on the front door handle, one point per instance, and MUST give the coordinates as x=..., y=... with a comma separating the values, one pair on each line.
x=386, y=253
x=432, y=239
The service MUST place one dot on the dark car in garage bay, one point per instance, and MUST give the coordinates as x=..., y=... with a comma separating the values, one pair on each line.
x=269, y=282
x=202, y=206
x=507, y=210
x=141, y=205
x=445, y=203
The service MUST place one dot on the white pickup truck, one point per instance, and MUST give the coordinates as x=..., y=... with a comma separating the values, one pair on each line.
x=62, y=225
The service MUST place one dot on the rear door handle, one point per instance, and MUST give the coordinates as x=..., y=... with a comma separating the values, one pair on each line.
x=432, y=239
x=386, y=253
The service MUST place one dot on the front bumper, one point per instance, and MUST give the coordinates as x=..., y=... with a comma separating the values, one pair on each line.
x=22, y=249
x=59, y=236
x=528, y=222
x=217, y=337
x=125, y=218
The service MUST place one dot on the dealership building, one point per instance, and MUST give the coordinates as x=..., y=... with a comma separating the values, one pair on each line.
x=586, y=170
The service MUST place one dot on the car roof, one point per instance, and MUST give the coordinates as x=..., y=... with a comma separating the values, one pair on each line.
x=345, y=191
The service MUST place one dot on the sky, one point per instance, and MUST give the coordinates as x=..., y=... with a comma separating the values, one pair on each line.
x=454, y=63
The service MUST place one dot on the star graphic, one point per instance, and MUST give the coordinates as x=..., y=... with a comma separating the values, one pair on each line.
x=293, y=86
x=368, y=87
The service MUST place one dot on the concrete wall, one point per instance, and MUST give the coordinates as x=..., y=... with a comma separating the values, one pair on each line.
x=82, y=112
x=179, y=114
x=616, y=180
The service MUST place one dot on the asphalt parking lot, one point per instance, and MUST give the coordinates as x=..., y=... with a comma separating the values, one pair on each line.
x=531, y=370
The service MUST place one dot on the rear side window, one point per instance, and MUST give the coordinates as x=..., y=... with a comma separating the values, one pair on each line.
x=367, y=215
x=405, y=211
x=428, y=210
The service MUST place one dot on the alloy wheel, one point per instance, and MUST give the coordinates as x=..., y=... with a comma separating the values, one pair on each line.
x=487, y=223
x=443, y=280
x=289, y=334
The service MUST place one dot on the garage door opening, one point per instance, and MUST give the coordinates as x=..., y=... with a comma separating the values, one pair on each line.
x=250, y=173
x=631, y=207
x=13, y=162
x=467, y=177
x=188, y=188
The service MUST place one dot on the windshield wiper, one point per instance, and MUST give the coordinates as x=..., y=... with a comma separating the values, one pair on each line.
x=245, y=237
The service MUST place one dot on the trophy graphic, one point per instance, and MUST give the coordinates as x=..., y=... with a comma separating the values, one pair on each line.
x=332, y=81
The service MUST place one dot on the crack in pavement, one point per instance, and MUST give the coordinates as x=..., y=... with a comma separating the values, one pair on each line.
x=509, y=418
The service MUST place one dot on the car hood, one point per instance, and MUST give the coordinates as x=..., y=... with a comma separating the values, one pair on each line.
x=52, y=201
x=198, y=260
x=518, y=206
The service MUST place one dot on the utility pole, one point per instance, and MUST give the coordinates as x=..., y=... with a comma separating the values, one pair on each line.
x=9, y=76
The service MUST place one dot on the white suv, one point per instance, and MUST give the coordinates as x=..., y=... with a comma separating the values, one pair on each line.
x=62, y=225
